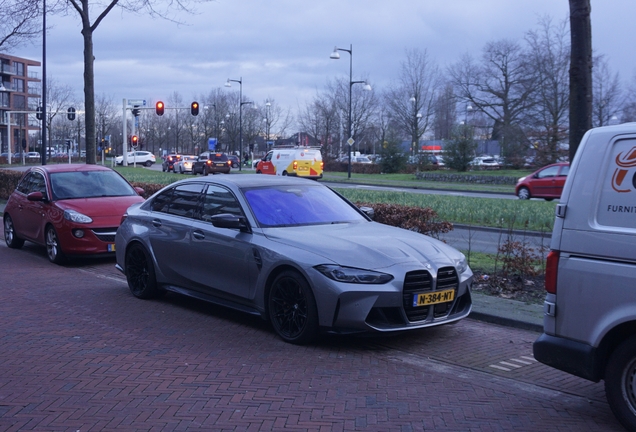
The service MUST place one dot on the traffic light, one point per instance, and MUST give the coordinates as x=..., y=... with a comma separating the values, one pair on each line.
x=71, y=113
x=135, y=140
x=159, y=107
x=194, y=108
x=38, y=113
x=136, y=111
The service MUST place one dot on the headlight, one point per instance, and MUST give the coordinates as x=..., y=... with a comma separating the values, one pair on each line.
x=76, y=217
x=353, y=275
x=461, y=264
x=521, y=179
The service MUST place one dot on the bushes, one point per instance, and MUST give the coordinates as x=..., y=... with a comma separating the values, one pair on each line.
x=8, y=181
x=418, y=219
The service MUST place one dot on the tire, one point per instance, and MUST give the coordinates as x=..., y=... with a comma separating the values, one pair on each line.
x=163, y=168
x=548, y=199
x=148, y=164
x=205, y=171
x=620, y=383
x=292, y=308
x=10, y=237
x=258, y=172
x=140, y=272
x=53, y=248
x=284, y=173
x=524, y=193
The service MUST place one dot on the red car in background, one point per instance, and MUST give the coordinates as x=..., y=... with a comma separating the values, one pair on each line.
x=71, y=209
x=546, y=182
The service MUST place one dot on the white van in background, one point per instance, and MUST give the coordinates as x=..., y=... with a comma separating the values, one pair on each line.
x=590, y=307
x=292, y=161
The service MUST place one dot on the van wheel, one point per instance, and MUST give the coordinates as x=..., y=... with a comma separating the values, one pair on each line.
x=258, y=172
x=620, y=383
x=523, y=193
x=284, y=173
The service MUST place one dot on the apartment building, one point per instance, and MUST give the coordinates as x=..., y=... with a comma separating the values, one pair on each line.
x=19, y=91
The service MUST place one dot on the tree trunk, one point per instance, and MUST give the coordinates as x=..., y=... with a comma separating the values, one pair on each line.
x=89, y=95
x=580, y=72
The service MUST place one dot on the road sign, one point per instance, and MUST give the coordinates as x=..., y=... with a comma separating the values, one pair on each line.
x=211, y=143
x=140, y=102
x=350, y=141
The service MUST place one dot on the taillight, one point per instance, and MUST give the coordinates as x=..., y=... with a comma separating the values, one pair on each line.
x=322, y=166
x=229, y=163
x=551, y=268
x=295, y=165
x=209, y=162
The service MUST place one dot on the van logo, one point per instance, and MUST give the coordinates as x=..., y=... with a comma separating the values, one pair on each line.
x=278, y=156
x=624, y=161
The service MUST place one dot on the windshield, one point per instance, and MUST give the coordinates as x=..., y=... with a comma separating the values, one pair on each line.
x=89, y=184
x=299, y=205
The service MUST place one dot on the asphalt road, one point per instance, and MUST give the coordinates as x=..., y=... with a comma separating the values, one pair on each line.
x=80, y=353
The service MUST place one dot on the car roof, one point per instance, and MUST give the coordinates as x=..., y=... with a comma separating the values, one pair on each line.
x=252, y=180
x=70, y=168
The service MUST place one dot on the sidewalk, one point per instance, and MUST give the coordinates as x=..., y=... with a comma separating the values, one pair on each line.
x=491, y=309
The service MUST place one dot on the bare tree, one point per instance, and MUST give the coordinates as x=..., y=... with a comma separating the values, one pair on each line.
x=549, y=52
x=86, y=10
x=445, y=113
x=500, y=87
x=580, y=72
x=58, y=99
x=606, y=87
x=411, y=100
x=19, y=22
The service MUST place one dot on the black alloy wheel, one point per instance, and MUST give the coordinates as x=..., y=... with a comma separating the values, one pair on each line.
x=292, y=308
x=140, y=272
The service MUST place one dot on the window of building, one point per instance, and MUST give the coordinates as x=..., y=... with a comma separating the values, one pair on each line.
x=19, y=101
x=19, y=67
x=18, y=85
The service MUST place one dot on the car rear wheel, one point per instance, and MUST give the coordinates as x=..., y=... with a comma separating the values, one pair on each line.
x=140, y=272
x=148, y=164
x=53, y=249
x=10, y=237
x=620, y=383
x=292, y=308
x=523, y=193
x=205, y=171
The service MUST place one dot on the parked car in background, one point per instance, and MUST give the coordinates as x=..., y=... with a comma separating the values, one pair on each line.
x=184, y=164
x=169, y=162
x=211, y=163
x=361, y=160
x=33, y=155
x=486, y=162
x=546, y=182
x=292, y=251
x=236, y=162
x=139, y=157
x=72, y=209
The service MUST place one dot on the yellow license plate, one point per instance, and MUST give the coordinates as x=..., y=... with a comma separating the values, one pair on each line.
x=111, y=248
x=435, y=297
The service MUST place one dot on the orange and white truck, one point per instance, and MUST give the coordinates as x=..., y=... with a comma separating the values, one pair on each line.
x=292, y=161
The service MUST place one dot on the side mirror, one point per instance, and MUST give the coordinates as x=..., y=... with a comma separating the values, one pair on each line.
x=368, y=211
x=139, y=191
x=36, y=196
x=227, y=220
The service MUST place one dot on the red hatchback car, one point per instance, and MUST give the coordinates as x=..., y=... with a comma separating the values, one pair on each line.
x=71, y=209
x=546, y=182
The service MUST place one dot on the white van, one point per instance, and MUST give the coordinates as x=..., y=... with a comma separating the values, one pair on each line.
x=590, y=306
x=294, y=161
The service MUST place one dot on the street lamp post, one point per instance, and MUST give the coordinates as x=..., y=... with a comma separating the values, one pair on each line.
x=336, y=55
x=241, y=103
x=416, y=126
x=268, y=106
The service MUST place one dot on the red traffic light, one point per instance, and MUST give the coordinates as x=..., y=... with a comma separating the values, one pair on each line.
x=194, y=108
x=135, y=140
x=159, y=107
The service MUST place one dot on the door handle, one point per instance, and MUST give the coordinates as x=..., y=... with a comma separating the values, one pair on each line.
x=198, y=234
x=156, y=223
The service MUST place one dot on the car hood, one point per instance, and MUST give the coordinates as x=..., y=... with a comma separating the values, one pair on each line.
x=369, y=245
x=103, y=210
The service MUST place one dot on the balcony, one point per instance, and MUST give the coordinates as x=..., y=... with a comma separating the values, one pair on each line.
x=6, y=69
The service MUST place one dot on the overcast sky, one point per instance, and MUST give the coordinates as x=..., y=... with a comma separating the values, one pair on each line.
x=281, y=48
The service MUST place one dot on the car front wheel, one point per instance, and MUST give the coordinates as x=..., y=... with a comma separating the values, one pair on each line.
x=140, y=272
x=292, y=308
x=148, y=164
x=620, y=383
x=10, y=237
x=53, y=249
x=523, y=193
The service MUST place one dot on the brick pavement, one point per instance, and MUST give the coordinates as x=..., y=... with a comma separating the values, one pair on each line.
x=79, y=353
